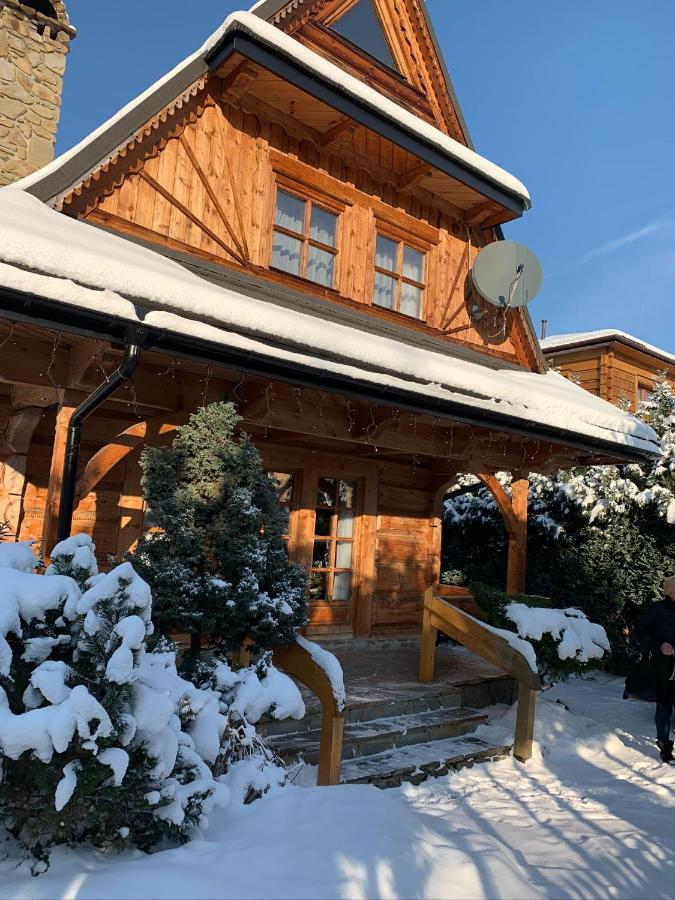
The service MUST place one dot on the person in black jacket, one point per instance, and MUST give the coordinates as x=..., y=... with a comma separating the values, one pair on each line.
x=656, y=636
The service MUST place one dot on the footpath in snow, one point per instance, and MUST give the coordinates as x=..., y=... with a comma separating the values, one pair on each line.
x=591, y=815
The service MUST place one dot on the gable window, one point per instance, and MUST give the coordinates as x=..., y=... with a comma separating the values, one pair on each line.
x=332, y=559
x=399, y=277
x=304, y=241
x=361, y=26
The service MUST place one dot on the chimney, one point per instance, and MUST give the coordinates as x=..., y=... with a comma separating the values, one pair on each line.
x=544, y=326
x=35, y=38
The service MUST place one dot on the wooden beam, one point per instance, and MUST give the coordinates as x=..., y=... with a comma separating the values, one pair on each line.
x=215, y=200
x=514, y=512
x=52, y=505
x=238, y=81
x=428, y=641
x=479, y=213
x=235, y=193
x=174, y=201
x=19, y=435
x=517, y=561
x=151, y=432
x=524, y=737
x=412, y=177
x=345, y=126
x=25, y=396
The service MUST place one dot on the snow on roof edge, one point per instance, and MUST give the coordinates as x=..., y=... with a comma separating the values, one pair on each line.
x=288, y=45
x=292, y=48
x=581, y=338
x=75, y=264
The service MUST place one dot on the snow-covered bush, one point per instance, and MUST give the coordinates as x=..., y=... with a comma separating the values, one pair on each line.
x=600, y=537
x=216, y=559
x=102, y=740
x=563, y=641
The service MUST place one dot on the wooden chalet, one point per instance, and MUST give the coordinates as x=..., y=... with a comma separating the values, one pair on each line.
x=611, y=364
x=289, y=220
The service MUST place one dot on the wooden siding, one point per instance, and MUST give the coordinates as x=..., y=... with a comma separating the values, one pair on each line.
x=614, y=371
x=238, y=158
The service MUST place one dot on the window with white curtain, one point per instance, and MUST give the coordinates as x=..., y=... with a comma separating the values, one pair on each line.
x=304, y=241
x=399, y=277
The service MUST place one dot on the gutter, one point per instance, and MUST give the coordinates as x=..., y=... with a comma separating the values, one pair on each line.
x=132, y=354
x=36, y=310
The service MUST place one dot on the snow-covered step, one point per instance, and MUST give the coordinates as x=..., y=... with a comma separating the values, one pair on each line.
x=450, y=698
x=417, y=762
x=378, y=735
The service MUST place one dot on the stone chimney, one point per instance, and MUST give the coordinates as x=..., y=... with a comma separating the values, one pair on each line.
x=35, y=38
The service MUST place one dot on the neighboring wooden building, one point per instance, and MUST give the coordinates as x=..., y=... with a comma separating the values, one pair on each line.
x=611, y=364
x=288, y=220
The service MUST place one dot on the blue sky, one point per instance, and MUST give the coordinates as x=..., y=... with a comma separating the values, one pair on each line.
x=574, y=98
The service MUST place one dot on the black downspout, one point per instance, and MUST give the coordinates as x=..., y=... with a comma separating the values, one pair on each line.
x=132, y=353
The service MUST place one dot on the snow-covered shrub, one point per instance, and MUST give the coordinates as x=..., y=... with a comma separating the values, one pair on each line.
x=216, y=559
x=102, y=740
x=564, y=641
x=600, y=537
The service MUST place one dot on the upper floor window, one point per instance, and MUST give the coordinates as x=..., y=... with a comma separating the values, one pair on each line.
x=305, y=239
x=399, y=277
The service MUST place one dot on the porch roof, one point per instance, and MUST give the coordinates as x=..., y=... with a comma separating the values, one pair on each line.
x=64, y=272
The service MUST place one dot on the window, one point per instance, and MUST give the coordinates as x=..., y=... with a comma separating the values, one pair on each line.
x=305, y=239
x=644, y=394
x=331, y=573
x=361, y=26
x=284, y=487
x=399, y=277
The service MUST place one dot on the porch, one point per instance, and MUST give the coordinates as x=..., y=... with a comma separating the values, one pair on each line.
x=395, y=727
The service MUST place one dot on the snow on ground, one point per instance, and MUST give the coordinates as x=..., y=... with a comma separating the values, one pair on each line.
x=590, y=816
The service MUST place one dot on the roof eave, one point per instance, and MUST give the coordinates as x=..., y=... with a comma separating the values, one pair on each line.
x=40, y=311
x=241, y=41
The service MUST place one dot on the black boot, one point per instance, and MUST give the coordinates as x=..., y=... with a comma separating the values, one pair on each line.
x=666, y=750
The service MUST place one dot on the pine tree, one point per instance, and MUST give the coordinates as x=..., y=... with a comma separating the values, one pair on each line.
x=216, y=559
x=95, y=740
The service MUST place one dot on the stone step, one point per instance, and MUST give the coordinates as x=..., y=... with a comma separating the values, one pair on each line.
x=368, y=711
x=417, y=762
x=379, y=735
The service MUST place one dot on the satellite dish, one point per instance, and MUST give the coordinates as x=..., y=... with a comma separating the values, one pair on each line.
x=507, y=274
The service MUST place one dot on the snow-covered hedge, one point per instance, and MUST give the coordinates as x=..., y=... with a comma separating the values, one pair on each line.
x=102, y=740
x=556, y=642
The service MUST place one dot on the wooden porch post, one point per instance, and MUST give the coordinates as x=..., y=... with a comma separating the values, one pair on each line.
x=51, y=516
x=514, y=511
x=517, y=560
x=20, y=430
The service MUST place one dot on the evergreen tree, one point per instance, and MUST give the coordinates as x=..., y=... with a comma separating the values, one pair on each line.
x=95, y=737
x=215, y=559
x=600, y=537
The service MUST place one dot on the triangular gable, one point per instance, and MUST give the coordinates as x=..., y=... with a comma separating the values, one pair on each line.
x=400, y=52
x=361, y=26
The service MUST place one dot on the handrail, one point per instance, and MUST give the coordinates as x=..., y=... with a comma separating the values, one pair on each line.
x=440, y=615
x=296, y=661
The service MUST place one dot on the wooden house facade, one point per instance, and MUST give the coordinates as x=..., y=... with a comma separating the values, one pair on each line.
x=611, y=364
x=288, y=220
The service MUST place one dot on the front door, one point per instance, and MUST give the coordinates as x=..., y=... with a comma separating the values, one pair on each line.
x=331, y=578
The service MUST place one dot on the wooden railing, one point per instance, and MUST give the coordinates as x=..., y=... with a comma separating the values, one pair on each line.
x=297, y=662
x=441, y=615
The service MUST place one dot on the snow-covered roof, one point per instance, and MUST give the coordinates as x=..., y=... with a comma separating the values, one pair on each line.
x=77, y=265
x=558, y=342
x=59, y=177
